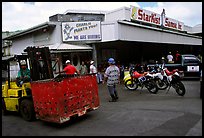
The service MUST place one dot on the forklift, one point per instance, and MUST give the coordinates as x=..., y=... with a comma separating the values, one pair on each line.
x=45, y=97
x=17, y=98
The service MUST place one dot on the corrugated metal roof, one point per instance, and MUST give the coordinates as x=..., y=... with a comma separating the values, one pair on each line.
x=63, y=47
x=32, y=29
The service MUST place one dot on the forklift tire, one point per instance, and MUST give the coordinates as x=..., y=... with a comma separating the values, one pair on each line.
x=27, y=110
x=4, y=111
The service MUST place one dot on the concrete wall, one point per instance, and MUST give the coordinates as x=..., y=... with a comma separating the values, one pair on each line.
x=20, y=43
x=109, y=31
x=118, y=14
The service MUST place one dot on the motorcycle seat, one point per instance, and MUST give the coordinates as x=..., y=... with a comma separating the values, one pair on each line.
x=171, y=72
x=137, y=74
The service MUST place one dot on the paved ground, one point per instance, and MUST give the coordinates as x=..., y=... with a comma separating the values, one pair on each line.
x=135, y=114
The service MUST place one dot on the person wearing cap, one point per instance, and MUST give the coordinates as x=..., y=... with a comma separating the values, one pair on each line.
x=23, y=74
x=112, y=76
x=70, y=69
x=93, y=69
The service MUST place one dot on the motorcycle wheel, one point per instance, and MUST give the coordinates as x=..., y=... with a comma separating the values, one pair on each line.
x=131, y=85
x=180, y=88
x=162, y=84
x=151, y=87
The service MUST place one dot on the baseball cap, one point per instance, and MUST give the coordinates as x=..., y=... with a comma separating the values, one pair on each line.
x=23, y=62
x=111, y=61
x=92, y=62
x=68, y=61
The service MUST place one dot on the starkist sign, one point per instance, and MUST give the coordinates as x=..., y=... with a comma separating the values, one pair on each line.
x=146, y=16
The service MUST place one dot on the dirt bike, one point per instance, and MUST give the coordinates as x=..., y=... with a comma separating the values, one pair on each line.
x=157, y=74
x=174, y=80
x=133, y=79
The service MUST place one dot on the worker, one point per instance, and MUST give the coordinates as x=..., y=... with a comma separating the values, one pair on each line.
x=112, y=75
x=93, y=69
x=170, y=57
x=177, y=56
x=69, y=69
x=23, y=74
x=83, y=68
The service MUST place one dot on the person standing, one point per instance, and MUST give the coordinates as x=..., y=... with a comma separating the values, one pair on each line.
x=177, y=56
x=170, y=57
x=83, y=68
x=112, y=76
x=93, y=69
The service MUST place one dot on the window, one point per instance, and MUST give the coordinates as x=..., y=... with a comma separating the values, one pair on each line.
x=191, y=60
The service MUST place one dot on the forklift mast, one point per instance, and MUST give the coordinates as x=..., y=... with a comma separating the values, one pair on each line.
x=40, y=63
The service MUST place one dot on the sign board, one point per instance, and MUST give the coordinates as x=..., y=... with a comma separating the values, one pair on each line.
x=173, y=24
x=80, y=31
x=146, y=16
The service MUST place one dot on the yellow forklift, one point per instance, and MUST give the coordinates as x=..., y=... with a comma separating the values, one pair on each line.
x=17, y=98
x=52, y=99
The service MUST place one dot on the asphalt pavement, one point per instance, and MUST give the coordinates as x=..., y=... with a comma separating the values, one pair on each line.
x=137, y=113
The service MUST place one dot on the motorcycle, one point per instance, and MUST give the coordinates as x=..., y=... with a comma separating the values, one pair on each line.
x=159, y=78
x=174, y=80
x=133, y=79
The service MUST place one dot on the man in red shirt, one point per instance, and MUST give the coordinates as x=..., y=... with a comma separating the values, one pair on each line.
x=70, y=69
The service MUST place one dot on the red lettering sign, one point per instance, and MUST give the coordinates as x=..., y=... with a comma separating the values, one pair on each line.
x=140, y=14
x=170, y=24
x=151, y=18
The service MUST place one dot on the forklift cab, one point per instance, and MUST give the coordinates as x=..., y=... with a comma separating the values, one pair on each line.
x=17, y=94
x=13, y=95
x=11, y=66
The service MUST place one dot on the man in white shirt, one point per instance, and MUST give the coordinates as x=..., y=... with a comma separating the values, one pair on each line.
x=93, y=69
x=169, y=57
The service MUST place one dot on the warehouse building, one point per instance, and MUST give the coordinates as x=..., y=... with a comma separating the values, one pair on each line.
x=128, y=34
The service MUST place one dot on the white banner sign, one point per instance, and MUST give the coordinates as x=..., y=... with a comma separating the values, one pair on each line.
x=173, y=24
x=80, y=31
x=146, y=16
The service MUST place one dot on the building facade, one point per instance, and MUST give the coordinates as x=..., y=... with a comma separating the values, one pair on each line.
x=128, y=34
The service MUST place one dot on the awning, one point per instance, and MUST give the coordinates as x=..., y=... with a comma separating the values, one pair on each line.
x=56, y=48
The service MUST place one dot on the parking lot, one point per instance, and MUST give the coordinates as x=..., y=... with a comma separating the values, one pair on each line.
x=137, y=113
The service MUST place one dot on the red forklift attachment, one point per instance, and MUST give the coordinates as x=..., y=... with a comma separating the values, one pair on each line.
x=58, y=100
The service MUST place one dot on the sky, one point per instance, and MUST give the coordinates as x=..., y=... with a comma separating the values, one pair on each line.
x=24, y=15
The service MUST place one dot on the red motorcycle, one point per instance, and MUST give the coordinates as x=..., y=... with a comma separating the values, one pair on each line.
x=135, y=79
x=174, y=79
